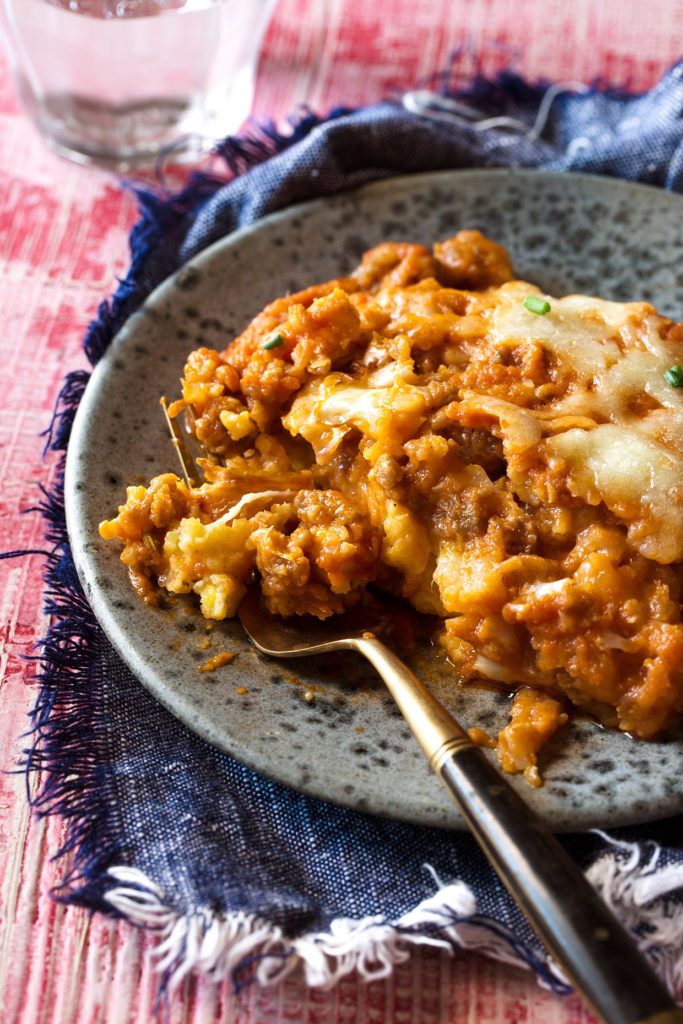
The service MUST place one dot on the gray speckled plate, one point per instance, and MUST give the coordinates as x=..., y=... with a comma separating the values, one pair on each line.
x=349, y=744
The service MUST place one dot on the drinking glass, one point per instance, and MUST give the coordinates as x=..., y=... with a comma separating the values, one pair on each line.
x=116, y=82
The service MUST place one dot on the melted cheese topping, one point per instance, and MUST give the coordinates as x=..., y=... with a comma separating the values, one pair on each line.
x=630, y=460
x=612, y=353
x=633, y=475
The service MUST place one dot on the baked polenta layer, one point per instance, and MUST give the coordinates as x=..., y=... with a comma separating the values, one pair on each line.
x=506, y=460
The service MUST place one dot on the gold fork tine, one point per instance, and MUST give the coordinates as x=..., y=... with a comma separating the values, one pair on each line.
x=187, y=463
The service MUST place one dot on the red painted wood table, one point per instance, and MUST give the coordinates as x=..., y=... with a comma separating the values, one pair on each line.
x=63, y=241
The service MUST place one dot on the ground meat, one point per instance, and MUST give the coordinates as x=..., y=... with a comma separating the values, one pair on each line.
x=469, y=260
x=321, y=565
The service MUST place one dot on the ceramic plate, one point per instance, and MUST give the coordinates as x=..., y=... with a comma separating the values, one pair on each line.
x=348, y=744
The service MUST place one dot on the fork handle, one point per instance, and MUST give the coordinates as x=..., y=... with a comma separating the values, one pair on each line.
x=580, y=931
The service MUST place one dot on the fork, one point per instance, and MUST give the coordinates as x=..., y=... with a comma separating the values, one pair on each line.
x=583, y=935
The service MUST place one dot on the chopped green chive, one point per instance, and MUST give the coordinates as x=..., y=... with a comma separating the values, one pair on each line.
x=273, y=342
x=674, y=376
x=536, y=305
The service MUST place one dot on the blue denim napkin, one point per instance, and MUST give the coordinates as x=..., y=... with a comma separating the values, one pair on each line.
x=239, y=874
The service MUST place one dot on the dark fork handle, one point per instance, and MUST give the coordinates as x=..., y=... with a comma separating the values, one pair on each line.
x=582, y=934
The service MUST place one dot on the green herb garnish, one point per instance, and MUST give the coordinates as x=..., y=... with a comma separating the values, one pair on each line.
x=536, y=305
x=273, y=342
x=674, y=376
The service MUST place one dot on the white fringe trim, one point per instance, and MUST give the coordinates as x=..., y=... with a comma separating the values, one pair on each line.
x=640, y=893
x=214, y=945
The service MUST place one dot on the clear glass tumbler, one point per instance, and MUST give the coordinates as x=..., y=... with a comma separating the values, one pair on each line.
x=116, y=82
